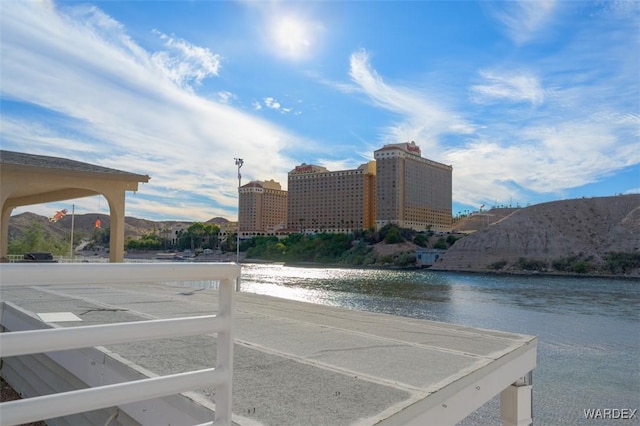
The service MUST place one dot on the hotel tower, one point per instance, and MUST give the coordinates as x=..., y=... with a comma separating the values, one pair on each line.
x=324, y=201
x=263, y=208
x=411, y=191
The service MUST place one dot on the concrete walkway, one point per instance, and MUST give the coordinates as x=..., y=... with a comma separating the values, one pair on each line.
x=304, y=364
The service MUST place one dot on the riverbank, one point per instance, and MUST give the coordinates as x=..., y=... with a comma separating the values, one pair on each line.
x=231, y=257
x=431, y=269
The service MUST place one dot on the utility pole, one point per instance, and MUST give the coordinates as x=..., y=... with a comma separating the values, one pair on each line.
x=73, y=216
x=239, y=163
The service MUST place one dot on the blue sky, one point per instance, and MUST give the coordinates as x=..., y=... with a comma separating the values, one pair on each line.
x=528, y=101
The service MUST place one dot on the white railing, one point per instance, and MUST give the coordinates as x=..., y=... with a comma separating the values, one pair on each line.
x=18, y=343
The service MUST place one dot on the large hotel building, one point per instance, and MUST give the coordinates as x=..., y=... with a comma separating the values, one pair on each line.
x=411, y=191
x=324, y=201
x=399, y=187
x=263, y=208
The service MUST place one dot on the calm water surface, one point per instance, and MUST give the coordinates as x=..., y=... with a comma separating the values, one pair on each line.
x=588, y=329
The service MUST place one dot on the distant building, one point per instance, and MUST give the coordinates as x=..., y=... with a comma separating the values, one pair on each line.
x=411, y=191
x=427, y=257
x=227, y=230
x=263, y=208
x=173, y=233
x=324, y=201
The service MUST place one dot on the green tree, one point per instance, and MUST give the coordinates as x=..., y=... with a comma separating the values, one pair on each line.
x=145, y=242
x=36, y=239
x=211, y=233
x=102, y=236
x=390, y=234
x=196, y=233
x=440, y=244
x=421, y=240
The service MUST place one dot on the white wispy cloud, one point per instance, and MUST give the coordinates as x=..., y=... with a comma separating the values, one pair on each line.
x=271, y=103
x=226, y=97
x=523, y=20
x=90, y=76
x=509, y=86
x=423, y=119
x=184, y=63
x=336, y=165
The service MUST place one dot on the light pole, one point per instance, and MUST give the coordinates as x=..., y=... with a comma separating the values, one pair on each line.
x=239, y=163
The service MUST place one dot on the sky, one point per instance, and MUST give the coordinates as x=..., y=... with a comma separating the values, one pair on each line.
x=529, y=101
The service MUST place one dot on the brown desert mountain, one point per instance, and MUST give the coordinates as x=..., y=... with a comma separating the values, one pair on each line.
x=84, y=224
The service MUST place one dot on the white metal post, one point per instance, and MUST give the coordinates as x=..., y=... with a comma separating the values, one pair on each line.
x=516, y=403
x=239, y=163
x=73, y=216
x=224, y=355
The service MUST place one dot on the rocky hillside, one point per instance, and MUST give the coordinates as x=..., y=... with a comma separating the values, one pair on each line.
x=482, y=219
x=569, y=230
x=84, y=224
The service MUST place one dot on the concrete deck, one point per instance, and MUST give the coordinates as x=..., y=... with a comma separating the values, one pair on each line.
x=304, y=364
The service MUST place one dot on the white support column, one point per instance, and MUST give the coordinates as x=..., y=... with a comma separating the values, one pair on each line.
x=516, y=403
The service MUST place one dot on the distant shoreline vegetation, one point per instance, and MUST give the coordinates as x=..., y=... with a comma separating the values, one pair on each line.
x=612, y=264
x=357, y=249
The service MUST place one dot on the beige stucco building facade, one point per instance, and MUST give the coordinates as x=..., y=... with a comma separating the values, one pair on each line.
x=263, y=208
x=324, y=201
x=27, y=179
x=412, y=191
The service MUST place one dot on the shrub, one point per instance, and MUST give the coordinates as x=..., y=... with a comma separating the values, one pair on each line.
x=496, y=266
x=581, y=267
x=573, y=264
x=404, y=259
x=531, y=264
x=621, y=262
x=421, y=240
x=440, y=244
x=386, y=259
x=36, y=238
x=391, y=234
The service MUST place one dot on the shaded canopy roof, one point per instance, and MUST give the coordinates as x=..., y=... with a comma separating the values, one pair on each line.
x=8, y=158
x=39, y=179
x=27, y=179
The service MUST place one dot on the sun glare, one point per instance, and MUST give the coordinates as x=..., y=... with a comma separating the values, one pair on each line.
x=292, y=37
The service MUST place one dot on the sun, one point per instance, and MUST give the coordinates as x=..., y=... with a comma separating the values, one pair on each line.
x=292, y=37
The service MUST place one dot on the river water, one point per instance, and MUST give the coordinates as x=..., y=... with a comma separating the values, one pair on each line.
x=588, y=329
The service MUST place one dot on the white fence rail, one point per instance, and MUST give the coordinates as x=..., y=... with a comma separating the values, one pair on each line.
x=39, y=341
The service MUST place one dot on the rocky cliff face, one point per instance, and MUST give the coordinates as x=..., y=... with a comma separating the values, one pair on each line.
x=588, y=228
